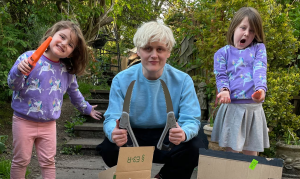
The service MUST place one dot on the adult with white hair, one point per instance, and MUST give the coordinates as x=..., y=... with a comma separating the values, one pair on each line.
x=154, y=42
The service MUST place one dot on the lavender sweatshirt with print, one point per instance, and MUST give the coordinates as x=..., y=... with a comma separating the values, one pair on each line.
x=39, y=96
x=241, y=71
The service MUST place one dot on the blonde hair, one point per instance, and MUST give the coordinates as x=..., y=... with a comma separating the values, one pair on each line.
x=153, y=32
x=78, y=61
x=255, y=22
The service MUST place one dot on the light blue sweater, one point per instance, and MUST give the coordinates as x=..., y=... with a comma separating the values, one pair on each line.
x=148, y=106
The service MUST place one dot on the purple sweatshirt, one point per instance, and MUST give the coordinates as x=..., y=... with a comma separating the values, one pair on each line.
x=241, y=71
x=39, y=96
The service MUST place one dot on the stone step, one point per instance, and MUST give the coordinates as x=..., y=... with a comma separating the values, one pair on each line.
x=100, y=94
x=102, y=103
x=89, y=130
x=88, y=145
x=92, y=120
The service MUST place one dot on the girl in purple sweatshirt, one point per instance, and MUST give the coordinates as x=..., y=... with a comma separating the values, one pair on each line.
x=38, y=97
x=241, y=69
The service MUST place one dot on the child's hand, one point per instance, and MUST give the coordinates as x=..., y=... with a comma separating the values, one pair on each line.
x=259, y=95
x=24, y=67
x=224, y=97
x=95, y=114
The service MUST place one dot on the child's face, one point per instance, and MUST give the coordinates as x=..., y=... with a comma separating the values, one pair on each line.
x=243, y=34
x=62, y=45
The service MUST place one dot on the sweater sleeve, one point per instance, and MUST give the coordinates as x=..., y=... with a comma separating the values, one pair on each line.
x=189, y=110
x=16, y=79
x=114, y=110
x=220, y=70
x=260, y=68
x=77, y=98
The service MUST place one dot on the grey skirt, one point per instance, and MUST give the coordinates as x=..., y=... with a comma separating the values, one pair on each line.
x=241, y=127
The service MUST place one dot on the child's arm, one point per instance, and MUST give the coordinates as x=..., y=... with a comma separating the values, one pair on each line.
x=260, y=69
x=222, y=81
x=78, y=100
x=16, y=79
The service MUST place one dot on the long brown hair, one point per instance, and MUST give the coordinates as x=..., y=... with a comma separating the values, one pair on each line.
x=255, y=22
x=78, y=61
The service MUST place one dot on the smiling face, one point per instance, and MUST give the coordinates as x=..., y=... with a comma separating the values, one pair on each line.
x=62, y=45
x=243, y=34
x=153, y=58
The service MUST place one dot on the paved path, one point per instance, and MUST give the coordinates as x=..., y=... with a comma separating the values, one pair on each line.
x=89, y=168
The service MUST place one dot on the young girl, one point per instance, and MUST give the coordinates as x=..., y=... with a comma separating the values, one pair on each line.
x=38, y=97
x=240, y=69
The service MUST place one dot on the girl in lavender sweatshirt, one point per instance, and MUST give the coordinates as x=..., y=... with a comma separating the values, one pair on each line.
x=240, y=70
x=38, y=97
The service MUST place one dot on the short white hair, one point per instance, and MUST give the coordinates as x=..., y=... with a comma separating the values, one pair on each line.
x=153, y=32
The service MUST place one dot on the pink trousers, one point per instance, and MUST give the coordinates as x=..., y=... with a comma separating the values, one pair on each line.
x=25, y=134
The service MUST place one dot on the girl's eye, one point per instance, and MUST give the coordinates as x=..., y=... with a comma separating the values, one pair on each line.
x=71, y=45
x=62, y=37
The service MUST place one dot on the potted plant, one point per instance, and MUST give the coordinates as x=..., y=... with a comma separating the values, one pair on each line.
x=289, y=151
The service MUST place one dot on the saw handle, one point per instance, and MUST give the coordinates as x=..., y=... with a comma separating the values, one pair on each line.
x=125, y=124
x=171, y=123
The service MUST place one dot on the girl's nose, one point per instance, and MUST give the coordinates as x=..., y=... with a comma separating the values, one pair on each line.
x=246, y=33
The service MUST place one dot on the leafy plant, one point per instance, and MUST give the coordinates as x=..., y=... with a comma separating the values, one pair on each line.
x=212, y=114
x=5, y=166
x=71, y=150
x=290, y=139
x=76, y=120
x=283, y=85
x=3, y=139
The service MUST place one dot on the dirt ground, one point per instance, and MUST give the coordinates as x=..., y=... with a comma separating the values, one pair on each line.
x=62, y=137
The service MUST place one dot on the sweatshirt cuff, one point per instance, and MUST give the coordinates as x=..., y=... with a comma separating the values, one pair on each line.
x=88, y=109
x=261, y=87
x=18, y=73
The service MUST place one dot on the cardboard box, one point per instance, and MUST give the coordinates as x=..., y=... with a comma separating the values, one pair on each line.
x=133, y=163
x=228, y=165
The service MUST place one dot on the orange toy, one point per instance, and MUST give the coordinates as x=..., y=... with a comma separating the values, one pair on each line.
x=256, y=95
x=34, y=58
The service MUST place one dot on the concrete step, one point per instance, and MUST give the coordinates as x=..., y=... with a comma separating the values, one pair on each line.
x=89, y=130
x=88, y=145
x=102, y=103
x=89, y=119
x=100, y=94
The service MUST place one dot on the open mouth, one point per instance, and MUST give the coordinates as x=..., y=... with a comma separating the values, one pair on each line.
x=243, y=41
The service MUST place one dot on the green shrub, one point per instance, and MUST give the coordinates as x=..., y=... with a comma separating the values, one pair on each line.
x=283, y=85
x=5, y=166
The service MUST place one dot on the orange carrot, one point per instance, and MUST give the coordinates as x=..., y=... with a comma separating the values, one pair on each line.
x=34, y=58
